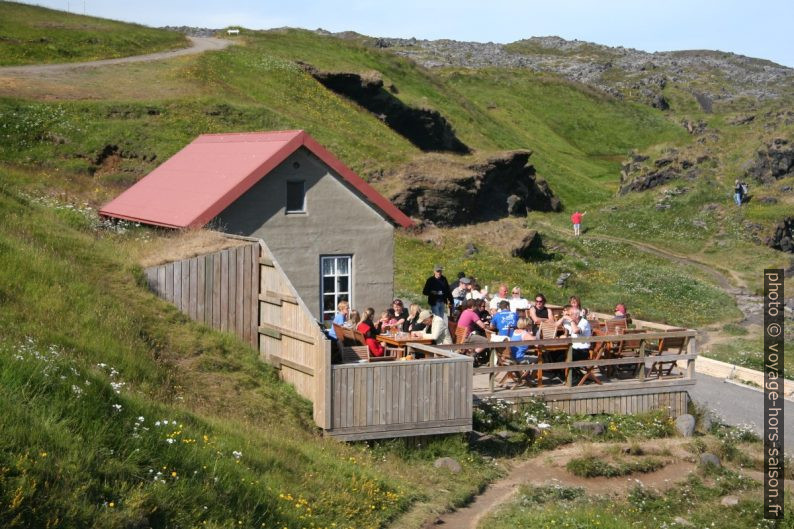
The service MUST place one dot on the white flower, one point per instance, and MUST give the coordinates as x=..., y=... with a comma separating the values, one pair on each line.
x=140, y=418
x=157, y=423
x=116, y=407
x=544, y=425
x=169, y=441
x=237, y=455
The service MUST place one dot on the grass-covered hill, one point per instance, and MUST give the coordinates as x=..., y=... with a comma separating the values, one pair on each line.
x=116, y=411
x=36, y=35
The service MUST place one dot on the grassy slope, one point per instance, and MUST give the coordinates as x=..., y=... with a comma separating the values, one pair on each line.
x=33, y=35
x=76, y=318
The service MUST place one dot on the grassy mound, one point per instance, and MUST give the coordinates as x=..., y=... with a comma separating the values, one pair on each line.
x=36, y=35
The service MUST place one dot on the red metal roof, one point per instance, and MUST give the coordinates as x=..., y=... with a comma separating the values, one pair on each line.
x=200, y=181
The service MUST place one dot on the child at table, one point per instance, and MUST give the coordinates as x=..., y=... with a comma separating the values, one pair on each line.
x=386, y=322
x=367, y=328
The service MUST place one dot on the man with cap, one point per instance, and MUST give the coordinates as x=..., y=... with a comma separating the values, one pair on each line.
x=463, y=290
x=437, y=291
x=435, y=327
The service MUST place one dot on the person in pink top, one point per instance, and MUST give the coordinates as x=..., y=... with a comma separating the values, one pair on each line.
x=470, y=319
x=576, y=219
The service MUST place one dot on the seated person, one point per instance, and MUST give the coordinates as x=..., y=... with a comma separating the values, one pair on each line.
x=435, y=327
x=470, y=319
x=461, y=292
x=386, y=322
x=518, y=303
x=400, y=314
x=621, y=314
x=539, y=312
x=576, y=303
x=521, y=334
x=413, y=323
x=481, y=308
x=500, y=296
x=504, y=321
x=576, y=327
x=367, y=328
x=342, y=309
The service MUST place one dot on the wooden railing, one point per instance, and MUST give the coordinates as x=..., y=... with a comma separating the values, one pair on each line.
x=644, y=355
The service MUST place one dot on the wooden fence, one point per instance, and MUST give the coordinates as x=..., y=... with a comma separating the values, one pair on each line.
x=218, y=289
x=394, y=399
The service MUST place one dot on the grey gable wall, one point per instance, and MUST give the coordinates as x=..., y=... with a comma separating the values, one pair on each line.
x=337, y=222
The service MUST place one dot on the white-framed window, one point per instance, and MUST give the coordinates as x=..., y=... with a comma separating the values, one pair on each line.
x=336, y=283
x=296, y=196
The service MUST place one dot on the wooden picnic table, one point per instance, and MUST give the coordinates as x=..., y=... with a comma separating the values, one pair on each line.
x=402, y=341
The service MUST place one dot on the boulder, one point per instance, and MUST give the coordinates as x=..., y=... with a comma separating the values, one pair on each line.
x=594, y=428
x=782, y=237
x=562, y=279
x=685, y=424
x=470, y=250
x=683, y=522
x=448, y=463
x=708, y=458
x=529, y=243
x=772, y=162
x=729, y=501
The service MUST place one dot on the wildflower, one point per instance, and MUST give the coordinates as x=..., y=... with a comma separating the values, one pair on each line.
x=237, y=454
x=140, y=418
x=169, y=441
x=173, y=474
x=111, y=504
x=116, y=407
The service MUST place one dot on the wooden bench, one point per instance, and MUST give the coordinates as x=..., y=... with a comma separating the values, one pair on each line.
x=676, y=345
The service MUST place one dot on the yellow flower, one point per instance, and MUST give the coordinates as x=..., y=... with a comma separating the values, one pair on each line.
x=43, y=454
x=111, y=504
x=173, y=474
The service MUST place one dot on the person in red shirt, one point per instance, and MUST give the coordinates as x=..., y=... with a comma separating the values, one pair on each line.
x=576, y=219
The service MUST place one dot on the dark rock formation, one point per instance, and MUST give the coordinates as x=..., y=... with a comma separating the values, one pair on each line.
x=637, y=176
x=527, y=246
x=771, y=163
x=427, y=129
x=782, y=237
x=482, y=191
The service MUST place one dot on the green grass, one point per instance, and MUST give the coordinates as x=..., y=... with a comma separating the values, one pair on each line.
x=36, y=35
x=748, y=352
x=603, y=273
x=695, y=498
x=595, y=466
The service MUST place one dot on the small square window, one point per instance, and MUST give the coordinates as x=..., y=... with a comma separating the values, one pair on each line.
x=296, y=197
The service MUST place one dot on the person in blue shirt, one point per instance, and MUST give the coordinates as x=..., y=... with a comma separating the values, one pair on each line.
x=342, y=309
x=504, y=321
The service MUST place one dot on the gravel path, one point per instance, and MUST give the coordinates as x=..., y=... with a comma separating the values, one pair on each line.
x=198, y=45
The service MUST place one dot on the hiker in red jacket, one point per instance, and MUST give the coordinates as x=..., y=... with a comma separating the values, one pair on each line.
x=576, y=218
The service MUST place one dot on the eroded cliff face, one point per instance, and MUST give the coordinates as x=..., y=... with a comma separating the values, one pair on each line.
x=427, y=129
x=452, y=192
x=772, y=162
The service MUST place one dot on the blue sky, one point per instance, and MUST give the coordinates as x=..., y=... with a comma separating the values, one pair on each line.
x=758, y=29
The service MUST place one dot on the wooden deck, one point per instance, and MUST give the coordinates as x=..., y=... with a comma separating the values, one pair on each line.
x=244, y=291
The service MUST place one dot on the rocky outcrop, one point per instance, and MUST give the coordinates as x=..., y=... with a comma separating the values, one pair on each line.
x=771, y=163
x=782, y=237
x=427, y=129
x=637, y=175
x=619, y=71
x=529, y=244
x=448, y=192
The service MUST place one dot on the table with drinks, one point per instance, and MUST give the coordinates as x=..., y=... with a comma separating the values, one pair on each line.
x=401, y=341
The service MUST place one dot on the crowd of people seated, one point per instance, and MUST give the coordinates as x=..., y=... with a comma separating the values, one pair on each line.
x=504, y=316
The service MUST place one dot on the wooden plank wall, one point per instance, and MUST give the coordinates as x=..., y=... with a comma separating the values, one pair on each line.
x=218, y=289
x=674, y=403
x=291, y=339
x=389, y=399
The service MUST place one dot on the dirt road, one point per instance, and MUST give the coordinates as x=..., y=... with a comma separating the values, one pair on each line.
x=198, y=45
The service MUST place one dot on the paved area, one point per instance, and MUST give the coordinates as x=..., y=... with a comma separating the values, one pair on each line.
x=198, y=45
x=737, y=405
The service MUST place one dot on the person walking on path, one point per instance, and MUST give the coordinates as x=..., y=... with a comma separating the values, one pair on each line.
x=576, y=219
x=437, y=291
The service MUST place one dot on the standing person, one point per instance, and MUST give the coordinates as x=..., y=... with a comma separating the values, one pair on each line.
x=576, y=219
x=437, y=291
x=435, y=327
x=737, y=193
x=463, y=290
